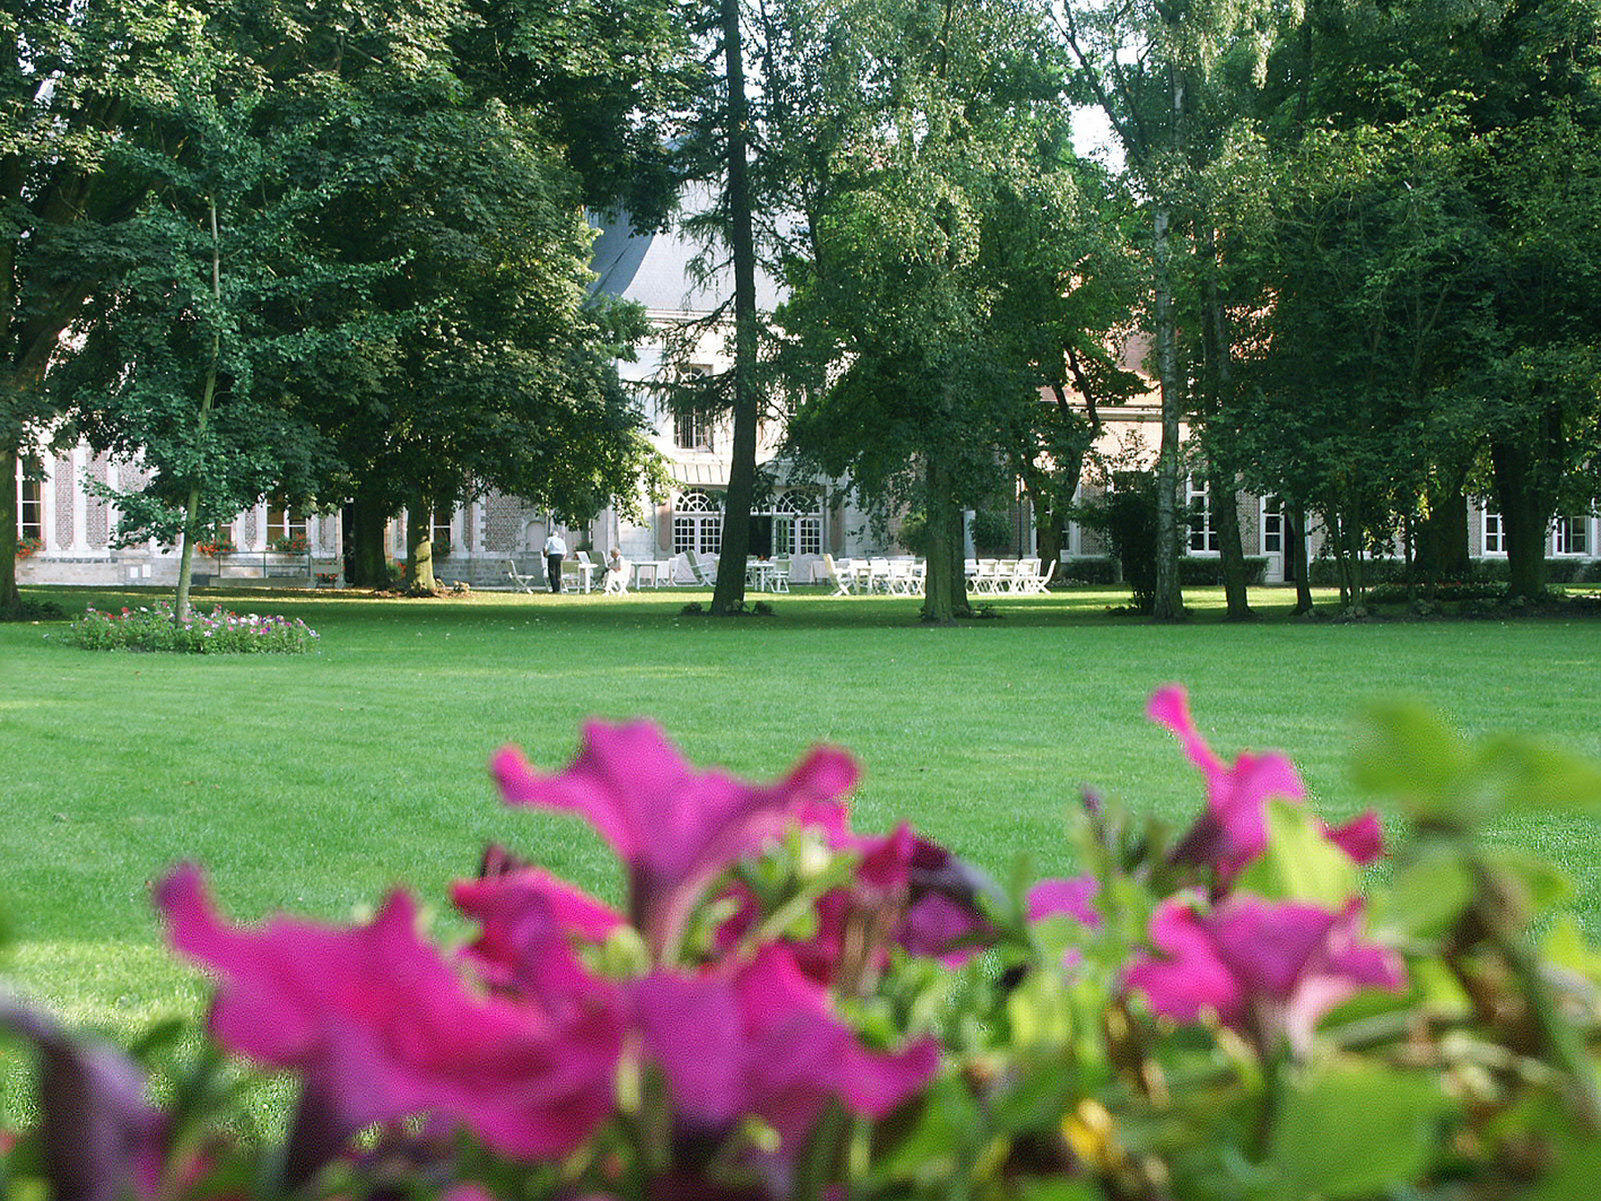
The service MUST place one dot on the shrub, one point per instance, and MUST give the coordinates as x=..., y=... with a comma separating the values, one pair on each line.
x=1198, y=572
x=1126, y=518
x=787, y=1010
x=992, y=530
x=220, y=632
x=1091, y=569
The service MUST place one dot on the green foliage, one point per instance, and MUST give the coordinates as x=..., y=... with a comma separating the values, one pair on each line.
x=1299, y=863
x=1356, y=1129
x=1125, y=517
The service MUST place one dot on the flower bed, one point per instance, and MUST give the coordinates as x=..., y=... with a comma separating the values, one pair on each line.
x=785, y=1008
x=220, y=632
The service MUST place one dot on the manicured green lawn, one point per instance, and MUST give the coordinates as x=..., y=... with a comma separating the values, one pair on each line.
x=315, y=783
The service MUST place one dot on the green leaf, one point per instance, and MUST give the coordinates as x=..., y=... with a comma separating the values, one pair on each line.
x=1405, y=752
x=1565, y=946
x=1355, y=1129
x=1542, y=884
x=1057, y=1188
x=1300, y=863
x=1428, y=894
x=1530, y=774
x=945, y=1122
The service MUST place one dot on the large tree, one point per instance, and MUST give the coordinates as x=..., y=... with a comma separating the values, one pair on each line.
x=1428, y=288
x=944, y=122
x=73, y=82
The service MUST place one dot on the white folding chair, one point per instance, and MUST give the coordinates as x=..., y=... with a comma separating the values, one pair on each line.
x=839, y=574
x=523, y=583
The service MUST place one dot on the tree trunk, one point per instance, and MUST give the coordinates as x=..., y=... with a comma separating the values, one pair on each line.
x=1168, y=598
x=1295, y=563
x=1217, y=382
x=945, y=586
x=10, y=598
x=1442, y=536
x=729, y=595
x=366, y=564
x=1230, y=546
x=1048, y=536
x=420, y=545
x=186, y=558
x=1525, y=517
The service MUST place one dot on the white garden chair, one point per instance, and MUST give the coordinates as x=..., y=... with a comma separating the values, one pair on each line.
x=987, y=578
x=778, y=581
x=839, y=574
x=519, y=581
x=705, y=573
x=1024, y=575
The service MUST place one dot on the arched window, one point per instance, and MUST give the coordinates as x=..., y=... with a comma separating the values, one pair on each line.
x=698, y=523
x=798, y=523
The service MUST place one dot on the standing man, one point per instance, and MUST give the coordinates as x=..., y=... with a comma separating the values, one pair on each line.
x=555, y=552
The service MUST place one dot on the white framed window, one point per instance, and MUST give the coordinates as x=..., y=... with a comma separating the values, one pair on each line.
x=1272, y=525
x=798, y=523
x=30, y=506
x=698, y=523
x=1494, y=535
x=1203, y=522
x=1571, y=536
x=287, y=530
x=439, y=528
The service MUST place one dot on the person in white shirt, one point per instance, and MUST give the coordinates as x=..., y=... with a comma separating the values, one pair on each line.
x=555, y=552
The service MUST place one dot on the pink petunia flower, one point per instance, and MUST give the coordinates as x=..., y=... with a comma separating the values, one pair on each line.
x=1074, y=896
x=765, y=1042
x=1268, y=969
x=382, y=1027
x=1233, y=830
x=674, y=828
x=528, y=922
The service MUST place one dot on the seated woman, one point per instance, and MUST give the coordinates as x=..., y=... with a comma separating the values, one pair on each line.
x=616, y=572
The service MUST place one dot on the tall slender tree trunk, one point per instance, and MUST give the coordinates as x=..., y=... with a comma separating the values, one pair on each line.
x=1295, y=556
x=186, y=558
x=1230, y=545
x=10, y=598
x=1168, y=598
x=365, y=560
x=729, y=595
x=1217, y=354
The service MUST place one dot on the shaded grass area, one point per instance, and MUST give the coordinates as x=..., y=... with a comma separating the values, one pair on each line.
x=316, y=783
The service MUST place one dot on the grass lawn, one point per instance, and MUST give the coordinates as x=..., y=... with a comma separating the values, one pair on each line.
x=315, y=783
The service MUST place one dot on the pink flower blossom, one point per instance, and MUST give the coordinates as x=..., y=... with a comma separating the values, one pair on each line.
x=1266, y=968
x=383, y=1028
x=528, y=921
x=1233, y=830
x=674, y=828
x=765, y=1042
x=1074, y=896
